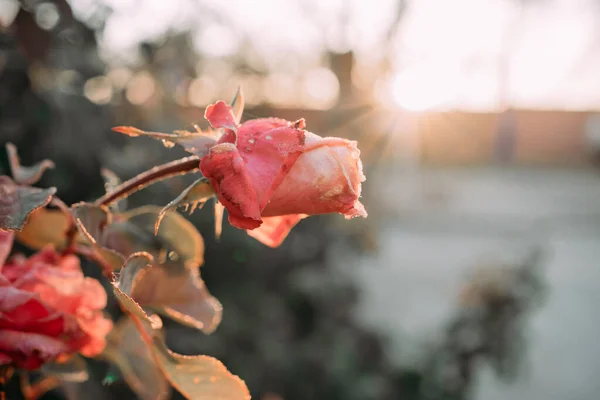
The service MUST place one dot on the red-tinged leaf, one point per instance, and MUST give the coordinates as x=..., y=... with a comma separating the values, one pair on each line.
x=134, y=269
x=170, y=289
x=195, y=195
x=237, y=105
x=25, y=175
x=196, y=143
x=181, y=295
x=45, y=226
x=72, y=370
x=17, y=202
x=127, y=350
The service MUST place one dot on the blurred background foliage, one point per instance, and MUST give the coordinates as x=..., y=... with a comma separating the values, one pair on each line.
x=295, y=325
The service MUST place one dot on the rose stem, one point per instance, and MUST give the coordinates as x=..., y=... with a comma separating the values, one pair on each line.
x=173, y=168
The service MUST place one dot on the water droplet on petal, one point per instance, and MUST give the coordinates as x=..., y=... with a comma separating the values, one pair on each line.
x=268, y=137
x=248, y=150
x=251, y=141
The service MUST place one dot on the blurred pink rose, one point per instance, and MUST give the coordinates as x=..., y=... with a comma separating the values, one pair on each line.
x=48, y=308
x=270, y=173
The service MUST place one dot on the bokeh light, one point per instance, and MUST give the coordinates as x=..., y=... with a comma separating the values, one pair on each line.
x=98, y=90
x=141, y=88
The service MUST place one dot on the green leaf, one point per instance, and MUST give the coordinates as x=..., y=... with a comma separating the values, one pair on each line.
x=172, y=290
x=25, y=175
x=195, y=195
x=177, y=234
x=45, y=226
x=17, y=202
x=91, y=222
x=195, y=377
x=199, y=377
x=126, y=349
x=172, y=286
x=72, y=370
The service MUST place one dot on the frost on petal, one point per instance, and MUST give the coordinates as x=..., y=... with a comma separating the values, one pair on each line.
x=229, y=177
x=220, y=115
x=269, y=154
x=274, y=230
x=358, y=210
x=325, y=179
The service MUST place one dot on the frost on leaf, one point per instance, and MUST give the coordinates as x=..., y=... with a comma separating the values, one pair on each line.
x=199, y=377
x=195, y=195
x=25, y=175
x=195, y=377
x=171, y=289
x=198, y=143
x=176, y=234
x=111, y=182
x=127, y=350
x=17, y=202
x=91, y=222
x=171, y=284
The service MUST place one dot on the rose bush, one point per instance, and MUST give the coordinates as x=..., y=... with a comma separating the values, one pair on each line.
x=49, y=310
x=269, y=173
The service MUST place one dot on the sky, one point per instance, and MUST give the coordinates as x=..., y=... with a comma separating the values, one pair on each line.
x=444, y=54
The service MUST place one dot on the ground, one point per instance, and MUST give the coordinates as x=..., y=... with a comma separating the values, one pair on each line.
x=440, y=223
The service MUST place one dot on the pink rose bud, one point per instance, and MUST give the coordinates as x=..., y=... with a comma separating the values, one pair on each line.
x=48, y=308
x=269, y=173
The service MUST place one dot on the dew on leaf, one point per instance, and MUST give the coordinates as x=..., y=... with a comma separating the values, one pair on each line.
x=168, y=143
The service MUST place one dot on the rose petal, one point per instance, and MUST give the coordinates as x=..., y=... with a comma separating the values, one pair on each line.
x=6, y=242
x=269, y=154
x=220, y=115
x=30, y=350
x=274, y=230
x=228, y=175
x=325, y=179
x=96, y=328
x=30, y=315
x=5, y=359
